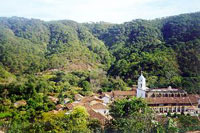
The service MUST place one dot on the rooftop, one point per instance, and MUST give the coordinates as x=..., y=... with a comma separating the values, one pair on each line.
x=93, y=114
x=169, y=89
x=190, y=99
x=99, y=106
x=124, y=93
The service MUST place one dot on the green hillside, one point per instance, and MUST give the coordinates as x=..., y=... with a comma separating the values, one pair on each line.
x=167, y=50
x=30, y=46
x=59, y=59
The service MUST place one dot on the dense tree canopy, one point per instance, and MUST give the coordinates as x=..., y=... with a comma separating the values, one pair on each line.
x=39, y=59
x=130, y=116
x=167, y=50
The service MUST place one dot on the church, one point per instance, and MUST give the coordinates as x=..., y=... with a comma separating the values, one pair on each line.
x=160, y=100
x=164, y=100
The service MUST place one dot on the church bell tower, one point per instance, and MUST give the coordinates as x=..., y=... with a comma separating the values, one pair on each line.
x=141, y=89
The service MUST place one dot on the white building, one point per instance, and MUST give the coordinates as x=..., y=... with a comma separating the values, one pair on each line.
x=106, y=99
x=141, y=89
x=164, y=100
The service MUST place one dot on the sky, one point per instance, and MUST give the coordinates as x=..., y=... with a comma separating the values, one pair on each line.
x=114, y=11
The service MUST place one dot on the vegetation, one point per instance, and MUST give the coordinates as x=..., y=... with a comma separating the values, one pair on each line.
x=134, y=116
x=166, y=50
x=59, y=59
x=130, y=116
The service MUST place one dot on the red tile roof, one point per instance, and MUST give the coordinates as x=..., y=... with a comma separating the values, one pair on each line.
x=190, y=99
x=96, y=115
x=124, y=93
x=84, y=102
x=78, y=97
x=194, y=98
x=119, y=93
x=53, y=99
x=70, y=106
x=99, y=106
x=59, y=106
x=20, y=103
x=166, y=88
x=89, y=99
x=107, y=93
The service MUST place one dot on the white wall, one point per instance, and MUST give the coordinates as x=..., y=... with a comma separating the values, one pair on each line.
x=141, y=93
x=102, y=111
x=106, y=100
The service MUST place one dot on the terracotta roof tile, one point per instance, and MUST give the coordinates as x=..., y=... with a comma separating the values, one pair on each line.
x=54, y=111
x=119, y=93
x=69, y=106
x=94, y=102
x=194, y=98
x=170, y=100
x=53, y=99
x=107, y=93
x=78, y=97
x=89, y=99
x=20, y=103
x=124, y=93
x=166, y=88
x=96, y=115
x=59, y=106
x=99, y=106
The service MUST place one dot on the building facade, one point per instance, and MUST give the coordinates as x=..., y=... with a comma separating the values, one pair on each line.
x=160, y=100
x=164, y=100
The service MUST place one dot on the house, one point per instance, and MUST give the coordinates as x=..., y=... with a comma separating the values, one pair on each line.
x=91, y=98
x=106, y=98
x=69, y=106
x=161, y=100
x=101, y=108
x=59, y=107
x=53, y=99
x=95, y=107
x=66, y=100
x=85, y=101
x=123, y=94
x=164, y=100
x=53, y=111
x=20, y=103
x=96, y=115
x=78, y=97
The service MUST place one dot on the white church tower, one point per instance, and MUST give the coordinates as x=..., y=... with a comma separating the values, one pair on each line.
x=141, y=89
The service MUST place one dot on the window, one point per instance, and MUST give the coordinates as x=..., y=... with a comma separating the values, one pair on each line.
x=161, y=110
x=174, y=109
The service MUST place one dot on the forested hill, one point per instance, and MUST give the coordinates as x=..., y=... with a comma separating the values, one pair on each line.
x=167, y=50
